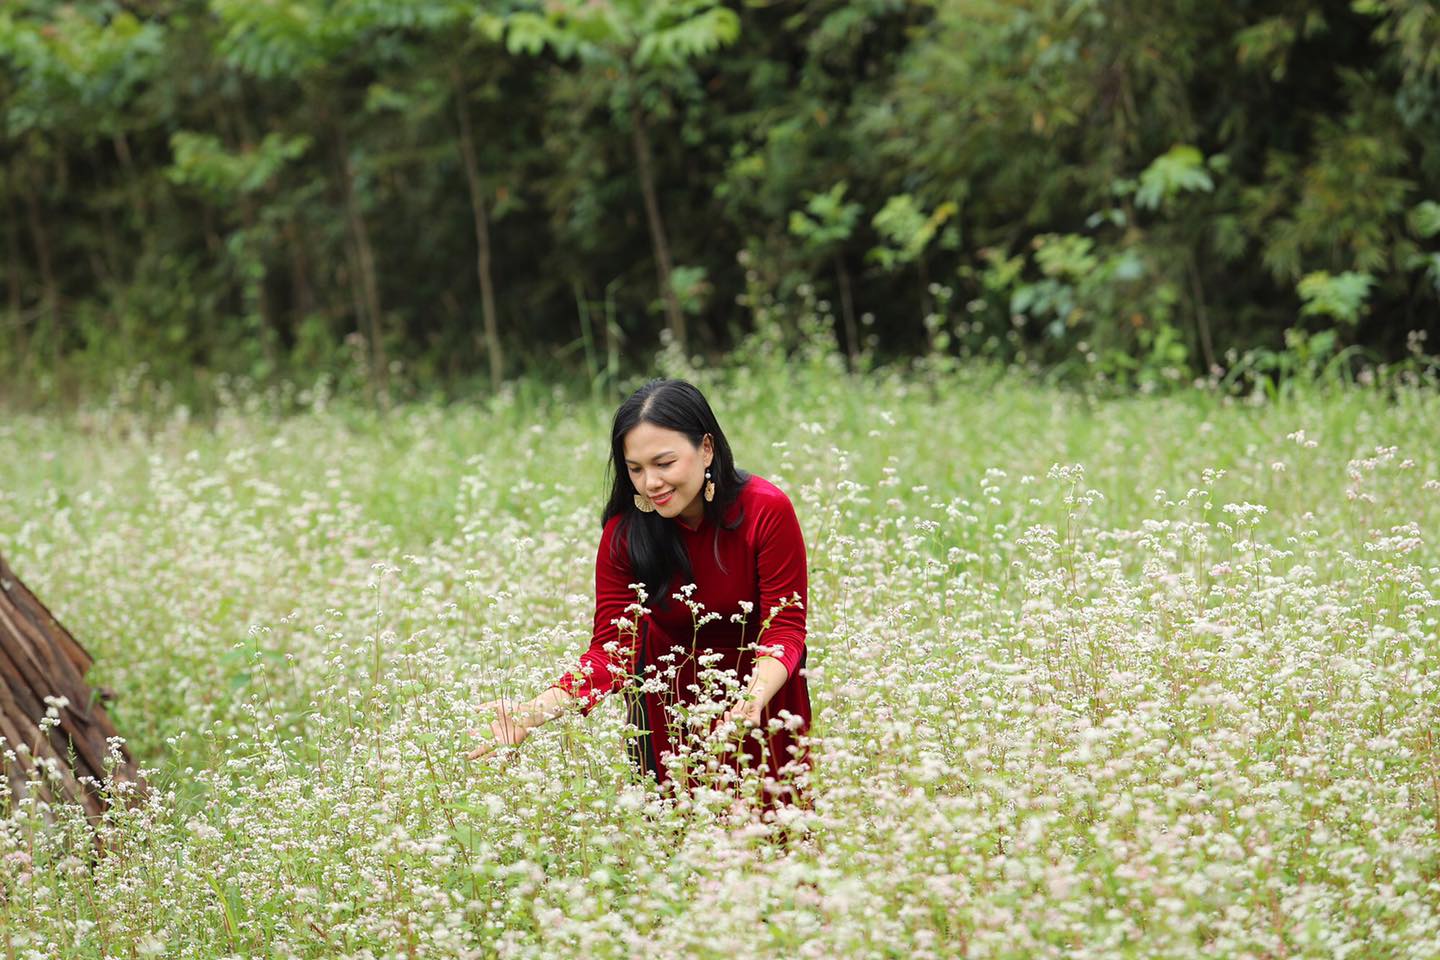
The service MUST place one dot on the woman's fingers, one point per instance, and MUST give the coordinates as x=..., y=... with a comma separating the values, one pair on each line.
x=481, y=750
x=738, y=716
x=507, y=731
x=505, y=736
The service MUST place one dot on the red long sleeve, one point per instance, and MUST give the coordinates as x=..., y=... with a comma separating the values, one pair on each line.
x=606, y=669
x=781, y=568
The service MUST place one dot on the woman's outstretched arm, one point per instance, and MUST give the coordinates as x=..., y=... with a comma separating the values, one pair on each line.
x=514, y=721
x=606, y=665
x=603, y=666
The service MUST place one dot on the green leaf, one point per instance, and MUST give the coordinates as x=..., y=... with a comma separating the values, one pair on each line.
x=1425, y=218
x=1179, y=170
x=907, y=229
x=1341, y=297
x=530, y=33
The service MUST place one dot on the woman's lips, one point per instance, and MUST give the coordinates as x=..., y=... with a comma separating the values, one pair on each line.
x=660, y=500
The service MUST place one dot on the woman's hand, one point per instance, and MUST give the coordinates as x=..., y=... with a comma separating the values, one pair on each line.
x=746, y=712
x=769, y=676
x=511, y=725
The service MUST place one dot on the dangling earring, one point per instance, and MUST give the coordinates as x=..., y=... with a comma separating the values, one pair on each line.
x=643, y=504
x=709, y=487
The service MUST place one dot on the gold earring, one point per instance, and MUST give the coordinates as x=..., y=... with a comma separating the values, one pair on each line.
x=643, y=504
x=709, y=487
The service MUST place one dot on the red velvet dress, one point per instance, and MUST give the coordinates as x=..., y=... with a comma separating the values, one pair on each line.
x=655, y=656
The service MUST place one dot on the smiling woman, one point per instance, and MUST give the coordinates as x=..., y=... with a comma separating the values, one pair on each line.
x=719, y=693
x=665, y=468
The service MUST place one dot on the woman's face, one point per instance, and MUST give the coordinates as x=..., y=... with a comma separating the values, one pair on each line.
x=666, y=467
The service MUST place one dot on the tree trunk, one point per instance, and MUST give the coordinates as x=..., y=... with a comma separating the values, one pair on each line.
x=674, y=318
x=270, y=332
x=1202, y=314
x=301, y=292
x=269, y=326
x=925, y=306
x=50, y=297
x=369, y=290
x=14, y=296
x=847, y=310
x=482, y=236
x=132, y=182
x=38, y=659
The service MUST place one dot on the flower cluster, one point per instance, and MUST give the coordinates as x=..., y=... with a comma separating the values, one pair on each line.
x=1133, y=703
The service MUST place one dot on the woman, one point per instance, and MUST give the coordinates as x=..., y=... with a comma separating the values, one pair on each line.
x=721, y=696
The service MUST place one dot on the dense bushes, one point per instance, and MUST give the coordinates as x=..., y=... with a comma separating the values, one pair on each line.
x=457, y=190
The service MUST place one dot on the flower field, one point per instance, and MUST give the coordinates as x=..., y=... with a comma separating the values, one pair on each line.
x=1148, y=677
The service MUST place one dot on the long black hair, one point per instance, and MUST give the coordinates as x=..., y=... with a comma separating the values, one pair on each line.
x=657, y=553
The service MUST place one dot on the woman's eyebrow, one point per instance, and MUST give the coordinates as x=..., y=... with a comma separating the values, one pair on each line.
x=662, y=453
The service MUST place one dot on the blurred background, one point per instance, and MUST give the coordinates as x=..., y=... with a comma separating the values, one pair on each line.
x=416, y=196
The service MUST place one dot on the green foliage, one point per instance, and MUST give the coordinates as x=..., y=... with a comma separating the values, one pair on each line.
x=1425, y=219
x=1180, y=170
x=692, y=286
x=907, y=230
x=1348, y=203
x=641, y=33
x=693, y=30
x=1339, y=297
x=827, y=220
x=1146, y=191
x=80, y=72
x=201, y=161
x=1109, y=303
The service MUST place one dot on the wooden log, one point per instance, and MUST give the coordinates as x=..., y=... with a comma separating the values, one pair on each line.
x=55, y=762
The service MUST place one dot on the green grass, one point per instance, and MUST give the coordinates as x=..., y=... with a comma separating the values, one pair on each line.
x=1075, y=694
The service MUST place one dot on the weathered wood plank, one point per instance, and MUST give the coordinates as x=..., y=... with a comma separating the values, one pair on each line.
x=40, y=658
x=37, y=613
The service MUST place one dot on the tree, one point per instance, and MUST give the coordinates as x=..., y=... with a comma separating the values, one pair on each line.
x=80, y=73
x=906, y=232
x=236, y=182
x=633, y=49
x=309, y=43
x=823, y=226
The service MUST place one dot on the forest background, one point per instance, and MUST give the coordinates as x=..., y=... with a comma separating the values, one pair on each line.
x=438, y=195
